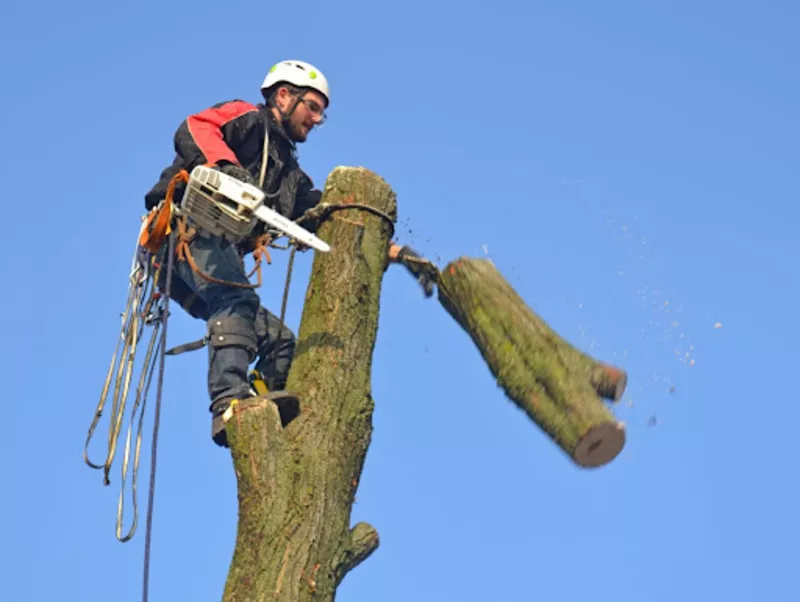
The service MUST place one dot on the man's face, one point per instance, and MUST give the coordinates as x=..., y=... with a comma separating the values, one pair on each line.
x=308, y=113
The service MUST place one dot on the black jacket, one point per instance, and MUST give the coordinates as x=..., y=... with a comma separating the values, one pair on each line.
x=234, y=131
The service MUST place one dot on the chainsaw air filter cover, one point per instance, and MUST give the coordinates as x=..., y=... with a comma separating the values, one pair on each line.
x=221, y=204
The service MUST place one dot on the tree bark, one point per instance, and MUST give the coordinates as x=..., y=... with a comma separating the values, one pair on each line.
x=554, y=383
x=296, y=485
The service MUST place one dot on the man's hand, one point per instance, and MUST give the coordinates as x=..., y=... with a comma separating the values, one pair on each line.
x=422, y=269
x=237, y=171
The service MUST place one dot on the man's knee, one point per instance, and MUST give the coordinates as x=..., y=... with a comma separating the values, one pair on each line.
x=233, y=331
x=232, y=301
x=286, y=338
x=280, y=332
x=281, y=348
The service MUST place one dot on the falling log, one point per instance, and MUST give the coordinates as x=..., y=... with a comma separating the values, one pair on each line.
x=560, y=387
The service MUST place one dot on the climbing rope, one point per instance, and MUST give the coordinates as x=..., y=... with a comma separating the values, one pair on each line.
x=156, y=423
x=282, y=320
x=324, y=209
x=145, y=307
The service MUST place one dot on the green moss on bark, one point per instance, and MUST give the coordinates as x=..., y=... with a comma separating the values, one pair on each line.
x=556, y=384
x=296, y=486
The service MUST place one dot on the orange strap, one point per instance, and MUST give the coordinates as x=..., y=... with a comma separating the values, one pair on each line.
x=158, y=223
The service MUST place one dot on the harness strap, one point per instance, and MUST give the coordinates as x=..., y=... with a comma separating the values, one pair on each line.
x=185, y=236
x=192, y=346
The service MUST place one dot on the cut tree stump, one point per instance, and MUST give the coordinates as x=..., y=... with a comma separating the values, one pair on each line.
x=296, y=485
x=560, y=387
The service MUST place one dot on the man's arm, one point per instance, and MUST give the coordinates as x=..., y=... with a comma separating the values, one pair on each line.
x=307, y=197
x=423, y=270
x=212, y=135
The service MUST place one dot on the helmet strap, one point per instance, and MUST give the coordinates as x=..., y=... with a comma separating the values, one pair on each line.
x=285, y=116
x=294, y=91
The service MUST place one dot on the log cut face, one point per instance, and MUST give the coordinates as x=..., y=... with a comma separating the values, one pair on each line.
x=556, y=384
x=296, y=485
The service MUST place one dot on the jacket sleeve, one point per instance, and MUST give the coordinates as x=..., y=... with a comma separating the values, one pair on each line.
x=306, y=198
x=213, y=135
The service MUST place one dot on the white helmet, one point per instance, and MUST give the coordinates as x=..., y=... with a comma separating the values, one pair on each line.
x=298, y=73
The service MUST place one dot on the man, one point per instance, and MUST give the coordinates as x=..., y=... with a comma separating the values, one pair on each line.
x=231, y=136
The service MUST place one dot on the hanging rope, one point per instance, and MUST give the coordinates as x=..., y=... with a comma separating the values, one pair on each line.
x=286, y=286
x=145, y=307
x=156, y=423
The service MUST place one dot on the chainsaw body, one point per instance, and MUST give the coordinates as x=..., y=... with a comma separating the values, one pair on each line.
x=225, y=206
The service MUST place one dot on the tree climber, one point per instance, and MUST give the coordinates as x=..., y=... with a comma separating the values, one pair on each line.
x=230, y=136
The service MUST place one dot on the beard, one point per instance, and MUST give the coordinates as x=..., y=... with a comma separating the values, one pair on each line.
x=296, y=132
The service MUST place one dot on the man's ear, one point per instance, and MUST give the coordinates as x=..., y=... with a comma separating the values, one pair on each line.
x=283, y=95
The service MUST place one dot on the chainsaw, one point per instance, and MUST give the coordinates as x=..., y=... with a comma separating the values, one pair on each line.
x=225, y=206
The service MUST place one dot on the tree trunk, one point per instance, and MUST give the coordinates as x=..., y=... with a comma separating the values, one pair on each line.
x=296, y=485
x=557, y=385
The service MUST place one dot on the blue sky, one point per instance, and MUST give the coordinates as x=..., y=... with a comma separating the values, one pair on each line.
x=630, y=167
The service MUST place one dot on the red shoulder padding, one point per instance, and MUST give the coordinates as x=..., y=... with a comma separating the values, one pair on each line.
x=205, y=128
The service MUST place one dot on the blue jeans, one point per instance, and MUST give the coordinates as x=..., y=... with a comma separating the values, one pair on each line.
x=239, y=329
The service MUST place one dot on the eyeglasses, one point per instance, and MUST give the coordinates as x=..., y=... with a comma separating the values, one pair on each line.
x=315, y=109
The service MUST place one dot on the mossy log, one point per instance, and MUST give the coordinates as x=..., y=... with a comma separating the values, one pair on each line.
x=296, y=485
x=560, y=387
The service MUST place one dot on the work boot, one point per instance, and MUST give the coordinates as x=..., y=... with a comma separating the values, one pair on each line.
x=218, y=409
x=288, y=403
x=288, y=409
